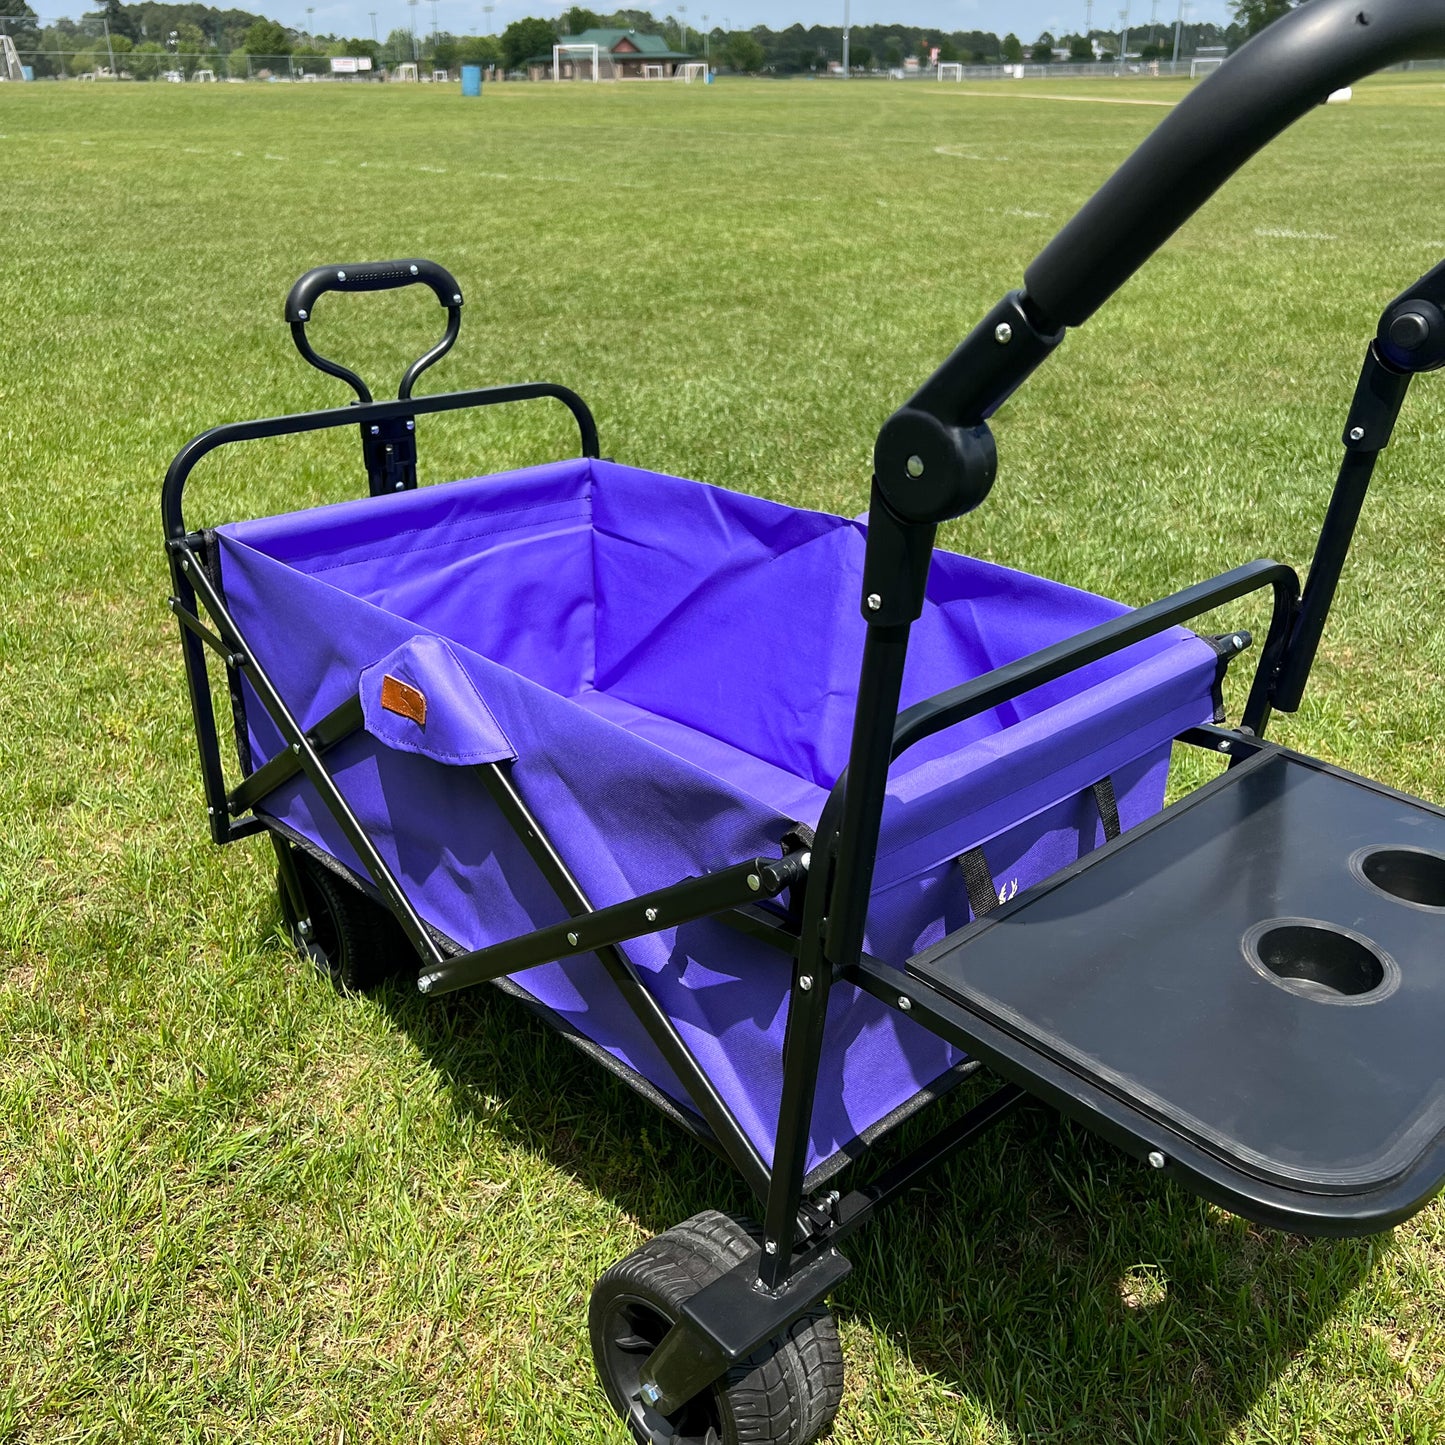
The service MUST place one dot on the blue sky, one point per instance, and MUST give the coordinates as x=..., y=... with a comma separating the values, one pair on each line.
x=1026, y=18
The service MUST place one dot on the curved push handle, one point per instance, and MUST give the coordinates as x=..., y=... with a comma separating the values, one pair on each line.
x=373, y=276
x=370, y=276
x=1264, y=88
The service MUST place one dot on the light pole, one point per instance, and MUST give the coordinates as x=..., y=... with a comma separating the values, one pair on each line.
x=310, y=11
x=845, y=39
x=1178, y=33
x=682, y=10
x=1123, y=38
x=706, y=37
x=374, y=40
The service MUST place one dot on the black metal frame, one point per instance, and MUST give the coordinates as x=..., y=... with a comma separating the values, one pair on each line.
x=935, y=459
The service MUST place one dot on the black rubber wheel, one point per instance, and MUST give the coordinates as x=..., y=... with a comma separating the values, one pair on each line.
x=353, y=940
x=785, y=1394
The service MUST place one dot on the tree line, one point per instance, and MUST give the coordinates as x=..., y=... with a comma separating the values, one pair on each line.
x=142, y=36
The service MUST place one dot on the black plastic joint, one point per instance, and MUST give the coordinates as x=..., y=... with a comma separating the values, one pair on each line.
x=1376, y=405
x=929, y=471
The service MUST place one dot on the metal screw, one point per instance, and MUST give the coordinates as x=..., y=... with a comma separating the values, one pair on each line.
x=754, y=882
x=457, y=300
x=413, y=270
x=874, y=602
x=1225, y=745
x=341, y=275
x=650, y=1393
x=806, y=982
x=770, y=1246
x=411, y=426
x=1156, y=1159
x=400, y=487
x=1003, y=333
x=652, y=915
x=304, y=927
x=572, y=939
x=301, y=316
x=904, y=1002
x=915, y=466
x=1238, y=641
x=376, y=431
x=1357, y=433
x=295, y=747
x=424, y=983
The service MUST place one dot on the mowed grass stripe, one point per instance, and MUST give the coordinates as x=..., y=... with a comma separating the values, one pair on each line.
x=235, y=1207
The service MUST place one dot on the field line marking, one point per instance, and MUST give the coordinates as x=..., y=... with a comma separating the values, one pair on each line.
x=1068, y=99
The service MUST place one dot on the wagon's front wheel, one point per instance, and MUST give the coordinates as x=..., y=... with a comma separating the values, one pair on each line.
x=354, y=941
x=785, y=1394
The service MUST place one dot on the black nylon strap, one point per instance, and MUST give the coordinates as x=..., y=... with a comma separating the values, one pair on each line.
x=1108, y=806
x=982, y=895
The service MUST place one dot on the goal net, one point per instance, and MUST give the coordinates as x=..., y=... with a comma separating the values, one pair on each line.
x=1203, y=67
x=692, y=70
x=950, y=71
x=576, y=62
x=9, y=60
x=653, y=72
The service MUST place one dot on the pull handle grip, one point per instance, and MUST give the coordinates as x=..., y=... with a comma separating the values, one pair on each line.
x=1264, y=88
x=370, y=276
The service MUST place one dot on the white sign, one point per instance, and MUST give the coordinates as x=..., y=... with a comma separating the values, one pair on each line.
x=350, y=64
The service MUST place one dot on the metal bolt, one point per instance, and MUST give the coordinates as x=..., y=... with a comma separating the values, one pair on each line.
x=304, y=927
x=572, y=939
x=1156, y=1159
x=1225, y=745
x=411, y=426
x=301, y=316
x=1357, y=433
x=650, y=1393
x=1003, y=333
x=652, y=915
x=400, y=487
x=805, y=861
x=904, y=1002
x=295, y=747
x=457, y=300
x=806, y=982
x=1238, y=641
x=376, y=431
x=754, y=882
x=341, y=275
x=413, y=270
x=874, y=602
x=770, y=1246
x=424, y=983
x=915, y=466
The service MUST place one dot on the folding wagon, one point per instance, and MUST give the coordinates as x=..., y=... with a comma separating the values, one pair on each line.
x=611, y=740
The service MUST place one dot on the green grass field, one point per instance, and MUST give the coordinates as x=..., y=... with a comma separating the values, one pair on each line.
x=235, y=1207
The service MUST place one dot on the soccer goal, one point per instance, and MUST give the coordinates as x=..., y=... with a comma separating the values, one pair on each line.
x=10, y=68
x=654, y=72
x=1203, y=67
x=405, y=71
x=690, y=71
x=575, y=53
x=949, y=70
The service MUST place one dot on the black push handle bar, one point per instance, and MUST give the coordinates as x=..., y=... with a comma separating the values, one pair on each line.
x=1269, y=84
x=370, y=276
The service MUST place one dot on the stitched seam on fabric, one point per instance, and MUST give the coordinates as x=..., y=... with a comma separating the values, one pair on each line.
x=357, y=556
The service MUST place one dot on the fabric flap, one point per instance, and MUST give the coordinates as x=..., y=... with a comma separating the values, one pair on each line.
x=420, y=699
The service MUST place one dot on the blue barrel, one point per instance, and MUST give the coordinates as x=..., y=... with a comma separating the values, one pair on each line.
x=471, y=80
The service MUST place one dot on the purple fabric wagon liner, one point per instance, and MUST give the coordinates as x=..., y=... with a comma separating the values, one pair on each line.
x=671, y=670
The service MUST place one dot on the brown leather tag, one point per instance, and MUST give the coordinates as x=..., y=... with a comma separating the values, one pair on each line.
x=401, y=698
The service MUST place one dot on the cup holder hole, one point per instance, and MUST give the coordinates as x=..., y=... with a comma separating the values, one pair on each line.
x=1411, y=875
x=1319, y=961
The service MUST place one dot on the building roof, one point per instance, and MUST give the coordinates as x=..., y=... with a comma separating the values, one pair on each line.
x=645, y=47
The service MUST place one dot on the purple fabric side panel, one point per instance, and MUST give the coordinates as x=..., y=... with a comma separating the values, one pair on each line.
x=591, y=783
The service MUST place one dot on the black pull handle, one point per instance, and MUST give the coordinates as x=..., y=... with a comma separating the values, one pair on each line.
x=373, y=276
x=1264, y=88
x=370, y=276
